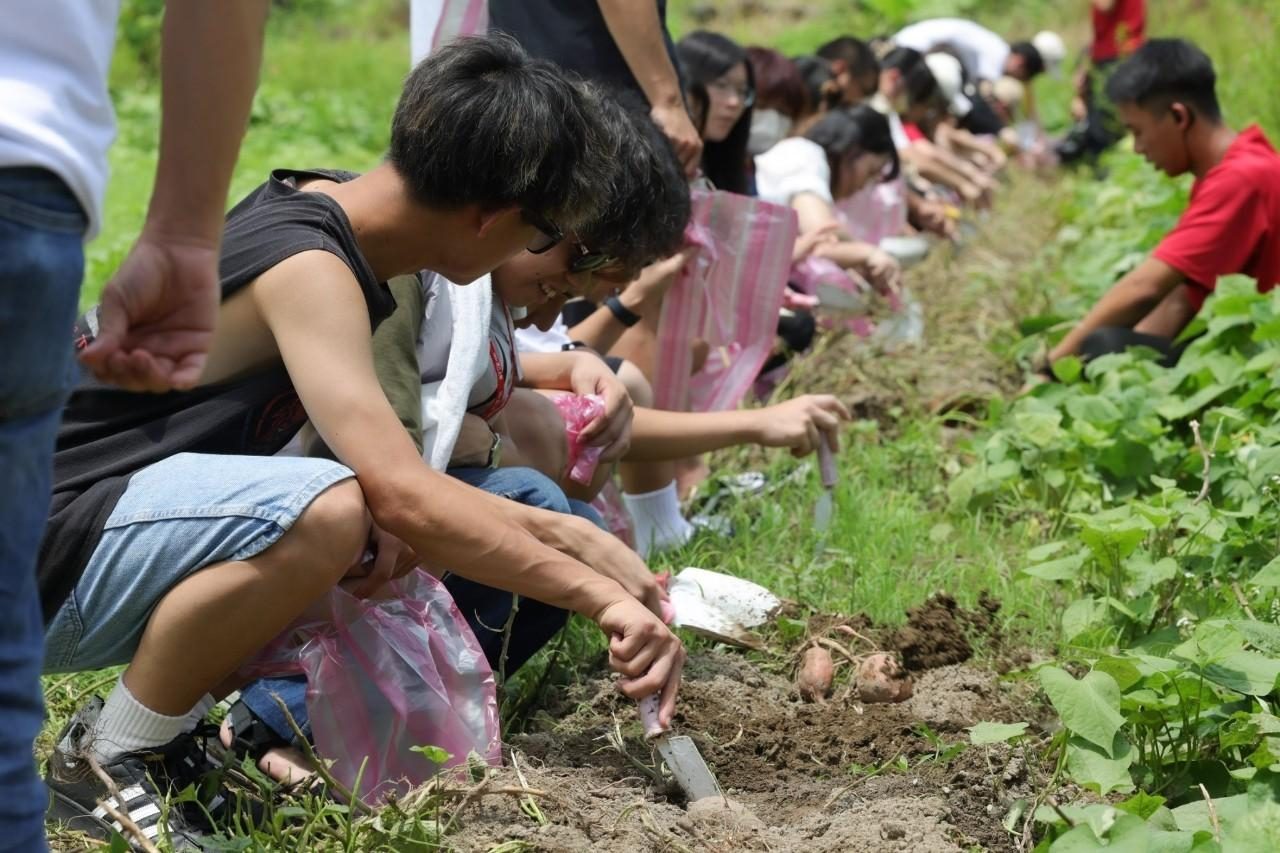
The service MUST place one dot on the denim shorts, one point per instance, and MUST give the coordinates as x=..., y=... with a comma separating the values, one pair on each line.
x=177, y=517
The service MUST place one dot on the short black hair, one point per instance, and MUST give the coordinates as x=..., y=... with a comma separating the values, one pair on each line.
x=1031, y=58
x=855, y=131
x=648, y=205
x=817, y=76
x=480, y=122
x=705, y=57
x=921, y=86
x=1164, y=71
x=855, y=53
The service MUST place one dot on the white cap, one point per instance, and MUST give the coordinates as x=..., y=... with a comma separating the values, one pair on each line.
x=946, y=70
x=1051, y=49
x=1009, y=91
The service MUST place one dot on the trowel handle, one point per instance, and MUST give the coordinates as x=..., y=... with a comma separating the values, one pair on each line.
x=826, y=461
x=649, y=715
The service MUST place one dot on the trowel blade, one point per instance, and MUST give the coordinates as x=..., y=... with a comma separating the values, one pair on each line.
x=687, y=767
x=822, y=512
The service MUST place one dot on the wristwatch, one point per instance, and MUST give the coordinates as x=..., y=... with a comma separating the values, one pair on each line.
x=621, y=313
x=495, y=450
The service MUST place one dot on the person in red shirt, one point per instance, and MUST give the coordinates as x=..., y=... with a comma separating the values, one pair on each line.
x=1165, y=97
x=1119, y=29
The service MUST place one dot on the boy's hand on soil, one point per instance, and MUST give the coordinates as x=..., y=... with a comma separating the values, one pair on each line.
x=644, y=652
x=883, y=271
x=798, y=424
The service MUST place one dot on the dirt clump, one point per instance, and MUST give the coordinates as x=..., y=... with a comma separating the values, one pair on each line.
x=933, y=635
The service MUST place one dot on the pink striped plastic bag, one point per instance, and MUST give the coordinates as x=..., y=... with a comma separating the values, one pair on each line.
x=728, y=296
x=386, y=675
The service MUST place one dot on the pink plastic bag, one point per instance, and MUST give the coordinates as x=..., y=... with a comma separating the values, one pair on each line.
x=387, y=675
x=460, y=18
x=578, y=411
x=611, y=508
x=876, y=211
x=728, y=296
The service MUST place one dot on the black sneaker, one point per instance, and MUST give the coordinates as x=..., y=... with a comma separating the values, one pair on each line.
x=79, y=798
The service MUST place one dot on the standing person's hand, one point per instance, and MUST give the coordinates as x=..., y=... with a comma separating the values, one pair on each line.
x=676, y=124
x=157, y=316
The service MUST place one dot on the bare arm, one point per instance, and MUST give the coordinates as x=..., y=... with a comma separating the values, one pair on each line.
x=637, y=31
x=642, y=297
x=158, y=312
x=661, y=435
x=322, y=332
x=1127, y=302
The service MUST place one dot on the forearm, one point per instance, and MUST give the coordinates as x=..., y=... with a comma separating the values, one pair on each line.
x=551, y=371
x=846, y=253
x=637, y=31
x=516, y=548
x=210, y=60
x=659, y=436
x=1126, y=303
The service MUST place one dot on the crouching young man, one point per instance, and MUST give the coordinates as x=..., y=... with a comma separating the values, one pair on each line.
x=1165, y=97
x=179, y=545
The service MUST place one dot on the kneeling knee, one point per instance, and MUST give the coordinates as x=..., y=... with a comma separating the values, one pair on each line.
x=333, y=531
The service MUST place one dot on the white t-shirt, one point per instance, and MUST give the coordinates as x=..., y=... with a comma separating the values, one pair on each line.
x=55, y=111
x=793, y=166
x=980, y=51
x=534, y=339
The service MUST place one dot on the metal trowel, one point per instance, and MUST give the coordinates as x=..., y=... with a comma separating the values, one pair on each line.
x=679, y=753
x=825, y=505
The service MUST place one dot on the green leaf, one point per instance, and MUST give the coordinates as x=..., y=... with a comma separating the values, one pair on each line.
x=1044, y=552
x=1194, y=816
x=1263, y=636
x=1257, y=832
x=435, y=754
x=1081, y=615
x=1063, y=569
x=987, y=733
x=1101, y=771
x=1068, y=369
x=1124, y=671
x=1089, y=707
x=1245, y=672
x=1268, y=575
x=1142, y=804
x=1174, y=409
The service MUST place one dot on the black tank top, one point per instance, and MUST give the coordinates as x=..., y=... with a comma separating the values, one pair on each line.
x=107, y=433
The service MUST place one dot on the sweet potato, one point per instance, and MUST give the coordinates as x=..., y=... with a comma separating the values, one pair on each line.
x=816, y=672
x=882, y=680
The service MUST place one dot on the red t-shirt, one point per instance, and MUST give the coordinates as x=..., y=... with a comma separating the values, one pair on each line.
x=1119, y=32
x=1232, y=224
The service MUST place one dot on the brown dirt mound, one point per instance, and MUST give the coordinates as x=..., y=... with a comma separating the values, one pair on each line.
x=833, y=777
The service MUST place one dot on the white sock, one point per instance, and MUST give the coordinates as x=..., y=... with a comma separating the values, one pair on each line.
x=659, y=524
x=204, y=706
x=126, y=725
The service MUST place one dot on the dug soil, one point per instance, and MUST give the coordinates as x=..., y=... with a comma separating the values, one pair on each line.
x=834, y=776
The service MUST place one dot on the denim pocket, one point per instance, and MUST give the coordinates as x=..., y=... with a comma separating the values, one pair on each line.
x=40, y=200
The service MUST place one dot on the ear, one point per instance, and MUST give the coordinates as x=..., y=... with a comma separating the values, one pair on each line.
x=491, y=217
x=1183, y=117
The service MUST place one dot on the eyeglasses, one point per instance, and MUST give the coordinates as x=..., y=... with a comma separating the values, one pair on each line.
x=548, y=237
x=744, y=93
x=585, y=260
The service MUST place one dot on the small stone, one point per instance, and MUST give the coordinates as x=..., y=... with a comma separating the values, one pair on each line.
x=891, y=831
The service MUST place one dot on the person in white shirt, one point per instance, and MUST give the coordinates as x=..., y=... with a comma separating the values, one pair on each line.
x=158, y=312
x=984, y=54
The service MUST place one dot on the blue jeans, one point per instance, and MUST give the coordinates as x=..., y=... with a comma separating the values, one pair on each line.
x=486, y=609
x=41, y=263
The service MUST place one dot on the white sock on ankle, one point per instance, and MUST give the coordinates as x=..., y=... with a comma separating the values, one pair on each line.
x=126, y=725
x=659, y=524
x=204, y=706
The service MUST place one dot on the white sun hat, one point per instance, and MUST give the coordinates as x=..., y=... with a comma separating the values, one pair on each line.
x=1051, y=49
x=946, y=70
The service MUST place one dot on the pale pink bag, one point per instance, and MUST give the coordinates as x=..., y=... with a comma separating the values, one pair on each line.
x=874, y=212
x=386, y=675
x=461, y=18
x=728, y=296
